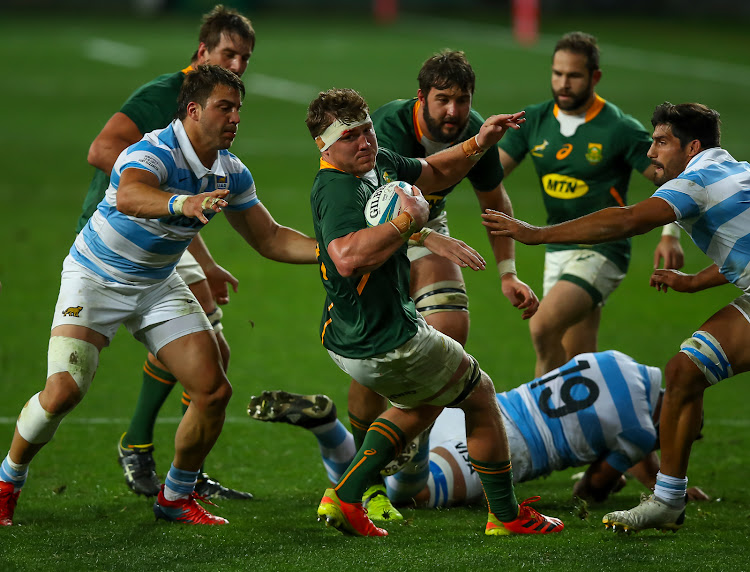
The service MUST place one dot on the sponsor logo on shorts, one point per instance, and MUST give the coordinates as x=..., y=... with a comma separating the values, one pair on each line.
x=564, y=187
x=74, y=311
x=397, y=395
x=594, y=155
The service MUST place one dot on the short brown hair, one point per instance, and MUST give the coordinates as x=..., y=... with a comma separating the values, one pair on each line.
x=580, y=43
x=223, y=20
x=344, y=104
x=448, y=68
x=690, y=121
x=200, y=83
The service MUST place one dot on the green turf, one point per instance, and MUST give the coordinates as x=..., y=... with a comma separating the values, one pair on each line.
x=75, y=512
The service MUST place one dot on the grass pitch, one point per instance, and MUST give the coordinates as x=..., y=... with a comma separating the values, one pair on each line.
x=64, y=81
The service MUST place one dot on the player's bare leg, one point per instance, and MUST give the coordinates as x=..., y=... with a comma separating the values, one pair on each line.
x=565, y=305
x=680, y=422
x=489, y=454
x=77, y=354
x=194, y=359
x=453, y=320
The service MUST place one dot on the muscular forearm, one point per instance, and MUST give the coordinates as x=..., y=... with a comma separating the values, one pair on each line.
x=364, y=250
x=602, y=226
x=288, y=245
x=708, y=278
x=142, y=200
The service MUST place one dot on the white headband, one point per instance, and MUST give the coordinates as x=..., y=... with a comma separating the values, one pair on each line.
x=336, y=130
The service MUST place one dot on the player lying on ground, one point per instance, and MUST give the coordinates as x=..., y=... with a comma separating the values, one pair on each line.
x=603, y=406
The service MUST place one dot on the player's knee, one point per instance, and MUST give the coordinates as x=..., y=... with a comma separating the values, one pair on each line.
x=71, y=365
x=212, y=398
x=444, y=296
x=706, y=353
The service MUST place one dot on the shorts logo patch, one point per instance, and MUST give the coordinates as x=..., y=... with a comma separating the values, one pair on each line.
x=594, y=155
x=222, y=183
x=73, y=311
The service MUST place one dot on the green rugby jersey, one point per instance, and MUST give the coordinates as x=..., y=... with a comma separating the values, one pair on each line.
x=371, y=314
x=585, y=172
x=152, y=106
x=397, y=129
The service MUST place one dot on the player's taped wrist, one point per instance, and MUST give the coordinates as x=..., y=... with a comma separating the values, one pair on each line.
x=418, y=238
x=472, y=150
x=403, y=224
x=671, y=229
x=507, y=266
x=174, y=206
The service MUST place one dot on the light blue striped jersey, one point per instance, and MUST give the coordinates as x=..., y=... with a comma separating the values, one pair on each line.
x=595, y=405
x=711, y=199
x=134, y=250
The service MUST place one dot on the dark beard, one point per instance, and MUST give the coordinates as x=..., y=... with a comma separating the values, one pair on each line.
x=434, y=129
x=577, y=102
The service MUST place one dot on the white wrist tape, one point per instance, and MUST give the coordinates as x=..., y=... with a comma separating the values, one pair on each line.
x=336, y=130
x=175, y=205
x=507, y=266
x=671, y=229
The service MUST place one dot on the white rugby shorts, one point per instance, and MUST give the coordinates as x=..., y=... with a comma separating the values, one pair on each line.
x=413, y=372
x=189, y=269
x=597, y=271
x=155, y=314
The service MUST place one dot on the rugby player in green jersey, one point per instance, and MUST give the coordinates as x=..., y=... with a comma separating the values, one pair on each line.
x=440, y=116
x=584, y=150
x=226, y=38
x=370, y=326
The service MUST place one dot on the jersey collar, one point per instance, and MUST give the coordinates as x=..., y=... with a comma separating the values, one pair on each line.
x=591, y=112
x=191, y=157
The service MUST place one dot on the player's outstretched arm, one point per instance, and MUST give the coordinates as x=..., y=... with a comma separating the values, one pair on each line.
x=448, y=167
x=664, y=279
x=601, y=226
x=139, y=195
x=270, y=239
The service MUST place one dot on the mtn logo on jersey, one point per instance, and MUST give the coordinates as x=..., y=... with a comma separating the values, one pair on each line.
x=563, y=187
x=594, y=155
x=222, y=183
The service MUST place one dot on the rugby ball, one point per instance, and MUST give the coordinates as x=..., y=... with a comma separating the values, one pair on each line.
x=385, y=203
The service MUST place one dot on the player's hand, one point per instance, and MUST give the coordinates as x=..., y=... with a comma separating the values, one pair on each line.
x=500, y=224
x=495, y=127
x=663, y=279
x=670, y=250
x=218, y=278
x=520, y=295
x=457, y=251
x=416, y=205
x=196, y=205
x=696, y=494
